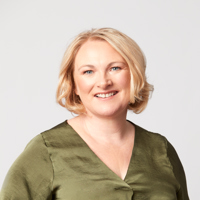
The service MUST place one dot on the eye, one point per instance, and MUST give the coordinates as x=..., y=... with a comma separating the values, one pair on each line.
x=88, y=72
x=115, y=68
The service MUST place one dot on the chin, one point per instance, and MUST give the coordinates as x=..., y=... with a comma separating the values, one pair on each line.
x=108, y=112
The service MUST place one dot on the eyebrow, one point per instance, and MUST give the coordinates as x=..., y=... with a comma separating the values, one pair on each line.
x=92, y=66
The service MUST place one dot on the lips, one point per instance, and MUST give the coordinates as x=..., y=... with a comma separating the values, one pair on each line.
x=106, y=95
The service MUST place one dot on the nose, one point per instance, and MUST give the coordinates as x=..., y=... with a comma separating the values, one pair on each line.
x=104, y=82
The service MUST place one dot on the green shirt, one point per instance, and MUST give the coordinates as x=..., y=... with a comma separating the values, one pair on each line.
x=58, y=164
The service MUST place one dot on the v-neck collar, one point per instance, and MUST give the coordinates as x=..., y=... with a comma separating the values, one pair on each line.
x=101, y=162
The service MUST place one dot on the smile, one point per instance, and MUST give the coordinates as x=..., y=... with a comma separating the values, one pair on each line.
x=106, y=95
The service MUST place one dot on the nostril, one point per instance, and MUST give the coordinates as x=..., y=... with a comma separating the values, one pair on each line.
x=105, y=83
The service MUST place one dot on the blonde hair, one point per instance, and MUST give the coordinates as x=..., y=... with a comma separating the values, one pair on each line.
x=140, y=89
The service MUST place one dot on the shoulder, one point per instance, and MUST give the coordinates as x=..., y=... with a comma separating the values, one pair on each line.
x=156, y=140
x=151, y=140
x=32, y=173
x=157, y=145
x=37, y=151
x=58, y=136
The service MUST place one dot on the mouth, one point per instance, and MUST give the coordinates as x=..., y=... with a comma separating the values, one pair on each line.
x=106, y=95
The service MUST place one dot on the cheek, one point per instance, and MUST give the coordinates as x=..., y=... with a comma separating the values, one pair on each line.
x=82, y=86
x=124, y=81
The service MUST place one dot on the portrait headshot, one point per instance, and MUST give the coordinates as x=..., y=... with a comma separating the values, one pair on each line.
x=100, y=100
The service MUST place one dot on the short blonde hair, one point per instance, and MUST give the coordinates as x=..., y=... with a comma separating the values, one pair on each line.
x=140, y=89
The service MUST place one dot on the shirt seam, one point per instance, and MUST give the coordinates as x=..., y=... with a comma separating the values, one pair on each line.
x=46, y=144
x=166, y=144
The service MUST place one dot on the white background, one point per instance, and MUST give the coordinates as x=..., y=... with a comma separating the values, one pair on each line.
x=34, y=36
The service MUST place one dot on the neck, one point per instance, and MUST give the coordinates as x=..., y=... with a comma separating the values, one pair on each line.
x=111, y=130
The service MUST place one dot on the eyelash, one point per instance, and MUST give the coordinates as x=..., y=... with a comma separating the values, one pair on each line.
x=112, y=69
x=86, y=72
x=116, y=69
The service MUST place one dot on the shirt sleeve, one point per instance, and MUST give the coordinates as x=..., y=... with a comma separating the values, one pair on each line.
x=179, y=173
x=31, y=175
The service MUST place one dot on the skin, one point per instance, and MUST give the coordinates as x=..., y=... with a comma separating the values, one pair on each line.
x=100, y=69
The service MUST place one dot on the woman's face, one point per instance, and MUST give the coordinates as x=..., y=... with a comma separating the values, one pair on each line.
x=102, y=79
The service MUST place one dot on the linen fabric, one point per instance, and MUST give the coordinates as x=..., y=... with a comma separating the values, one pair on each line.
x=58, y=164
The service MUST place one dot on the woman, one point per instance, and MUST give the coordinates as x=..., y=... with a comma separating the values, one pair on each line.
x=99, y=154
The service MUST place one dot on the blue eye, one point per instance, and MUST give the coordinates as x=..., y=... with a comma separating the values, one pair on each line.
x=115, y=68
x=88, y=72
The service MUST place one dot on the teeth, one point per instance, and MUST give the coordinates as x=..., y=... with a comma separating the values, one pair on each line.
x=106, y=95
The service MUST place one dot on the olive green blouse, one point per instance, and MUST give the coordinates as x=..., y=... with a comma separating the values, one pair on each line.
x=58, y=164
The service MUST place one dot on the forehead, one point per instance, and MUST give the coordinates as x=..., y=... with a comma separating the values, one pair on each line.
x=97, y=51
